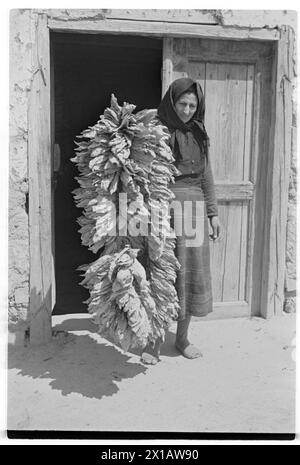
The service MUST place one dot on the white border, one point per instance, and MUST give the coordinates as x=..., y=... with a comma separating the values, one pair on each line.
x=4, y=27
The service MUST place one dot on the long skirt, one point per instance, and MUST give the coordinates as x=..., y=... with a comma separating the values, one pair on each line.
x=193, y=284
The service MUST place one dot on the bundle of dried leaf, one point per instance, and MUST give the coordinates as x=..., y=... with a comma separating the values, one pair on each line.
x=131, y=284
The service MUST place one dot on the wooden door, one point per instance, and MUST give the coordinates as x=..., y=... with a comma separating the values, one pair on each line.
x=234, y=76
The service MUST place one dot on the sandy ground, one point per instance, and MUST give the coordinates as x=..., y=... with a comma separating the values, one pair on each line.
x=245, y=381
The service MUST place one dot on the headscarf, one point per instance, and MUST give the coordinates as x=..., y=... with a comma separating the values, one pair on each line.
x=168, y=116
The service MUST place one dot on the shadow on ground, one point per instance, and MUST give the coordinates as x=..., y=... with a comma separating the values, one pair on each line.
x=79, y=363
x=76, y=364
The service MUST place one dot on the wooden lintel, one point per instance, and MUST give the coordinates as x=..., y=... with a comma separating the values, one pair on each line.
x=161, y=29
x=163, y=15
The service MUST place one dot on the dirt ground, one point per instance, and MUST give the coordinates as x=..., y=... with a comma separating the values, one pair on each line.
x=245, y=381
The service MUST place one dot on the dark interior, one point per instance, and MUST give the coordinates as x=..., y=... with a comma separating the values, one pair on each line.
x=87, y=69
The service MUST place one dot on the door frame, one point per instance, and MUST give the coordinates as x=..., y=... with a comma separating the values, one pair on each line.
x=268, y=289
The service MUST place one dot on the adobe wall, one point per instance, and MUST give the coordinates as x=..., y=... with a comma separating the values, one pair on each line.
x=21, y=73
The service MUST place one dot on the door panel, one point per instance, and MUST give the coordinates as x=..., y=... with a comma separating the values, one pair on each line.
x=227, y=71
x=228, y=88
x=228, y=256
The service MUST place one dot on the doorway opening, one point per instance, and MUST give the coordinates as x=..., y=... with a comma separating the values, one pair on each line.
x=87, y=69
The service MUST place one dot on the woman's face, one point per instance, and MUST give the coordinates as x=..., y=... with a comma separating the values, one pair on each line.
x=186, y=106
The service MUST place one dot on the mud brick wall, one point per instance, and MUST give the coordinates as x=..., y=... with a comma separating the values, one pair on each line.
x=21, y=72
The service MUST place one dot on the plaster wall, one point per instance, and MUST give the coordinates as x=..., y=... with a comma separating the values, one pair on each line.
x=21, y=73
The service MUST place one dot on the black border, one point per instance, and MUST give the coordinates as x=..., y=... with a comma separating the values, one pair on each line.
x=138, y=435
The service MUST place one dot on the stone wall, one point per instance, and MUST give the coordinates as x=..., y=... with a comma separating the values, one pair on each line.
x=20, y=81
x=290, y=288
x=22, y=36
x=258, y=18
x=291, y=230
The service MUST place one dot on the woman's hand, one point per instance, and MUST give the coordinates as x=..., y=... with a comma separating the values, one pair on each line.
x=215, y=226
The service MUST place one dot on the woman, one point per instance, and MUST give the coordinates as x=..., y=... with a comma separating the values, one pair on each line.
x=182, y=111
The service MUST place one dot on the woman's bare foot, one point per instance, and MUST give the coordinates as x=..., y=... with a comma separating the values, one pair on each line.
x=150, y=354
x=182, y=343
x=187, y=349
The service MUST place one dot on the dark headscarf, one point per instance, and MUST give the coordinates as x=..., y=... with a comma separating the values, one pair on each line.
x=168, y=116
